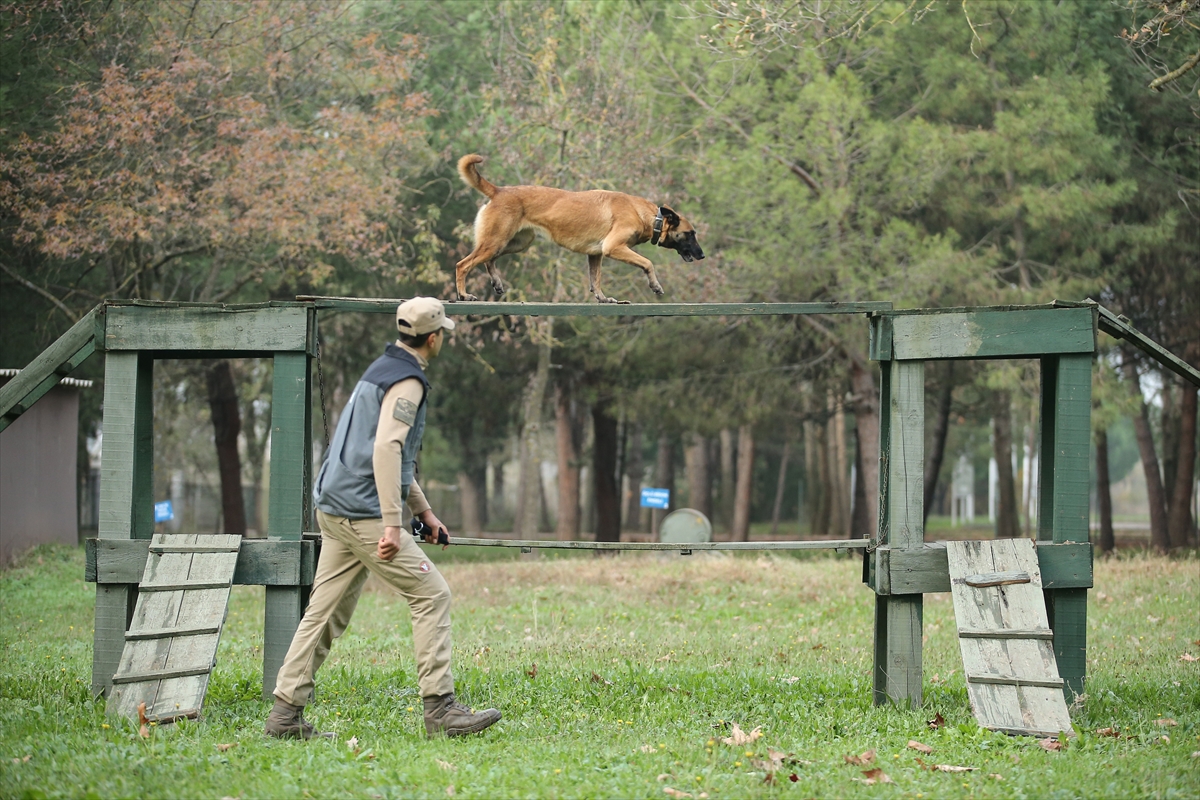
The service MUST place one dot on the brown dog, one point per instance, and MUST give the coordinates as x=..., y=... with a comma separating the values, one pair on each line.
x=596, y=223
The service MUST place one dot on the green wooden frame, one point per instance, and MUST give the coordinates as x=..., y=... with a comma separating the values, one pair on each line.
x=133, y=335
x=900, y=565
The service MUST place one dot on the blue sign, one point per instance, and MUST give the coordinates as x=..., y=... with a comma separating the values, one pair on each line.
x=656, y=498
x=163, y=512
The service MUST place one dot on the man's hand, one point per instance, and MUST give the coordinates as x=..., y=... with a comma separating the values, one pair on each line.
x=436, y=528
x=389, y=545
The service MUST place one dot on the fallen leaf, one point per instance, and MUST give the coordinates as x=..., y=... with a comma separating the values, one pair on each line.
x=532, y=672
x=1169, y=723
x=996, y=775
x=938, y=721
x=913, y=744
x=860, y=760
x=1166, y=739
x=648, y=748
x=738, y=737
x=1188, y=657
x=876, y=775
x=1196, y=754
x=352, y=743
x=597, y=679
x=663, y=776
x=794, y=777
x=667, y=790
x=446, y=765
x=1152, y=620
x=818, y=647
x=1051, y=744
x=144, y=730
x=951, y=768
x=226, y=747
x=450, y=790
x=769, y=779
x=1108, y=732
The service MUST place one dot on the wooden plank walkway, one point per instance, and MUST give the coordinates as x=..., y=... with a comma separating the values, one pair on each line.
x=1006, y=642
x=171, y=645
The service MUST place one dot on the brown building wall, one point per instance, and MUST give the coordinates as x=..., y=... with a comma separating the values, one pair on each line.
x=38, y=481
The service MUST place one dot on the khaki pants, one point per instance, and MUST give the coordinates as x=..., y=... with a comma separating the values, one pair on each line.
x=347, y=553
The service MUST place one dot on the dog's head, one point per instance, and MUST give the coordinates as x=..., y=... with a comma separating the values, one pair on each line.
x=680, y=236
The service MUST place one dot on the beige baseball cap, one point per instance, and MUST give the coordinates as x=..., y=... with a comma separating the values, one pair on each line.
x=422, y=315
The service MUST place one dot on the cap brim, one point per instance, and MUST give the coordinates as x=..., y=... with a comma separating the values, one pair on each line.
x=447, y=323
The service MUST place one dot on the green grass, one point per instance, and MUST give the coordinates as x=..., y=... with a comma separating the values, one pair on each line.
x=680, y=648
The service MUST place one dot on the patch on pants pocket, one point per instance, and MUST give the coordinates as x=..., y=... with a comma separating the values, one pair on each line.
x=423, y=566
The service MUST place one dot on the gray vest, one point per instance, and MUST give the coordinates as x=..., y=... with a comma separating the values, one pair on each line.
x=345, y=486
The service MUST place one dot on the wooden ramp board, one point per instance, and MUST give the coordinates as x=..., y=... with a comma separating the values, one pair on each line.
x=1005, y=638
x=171, y=645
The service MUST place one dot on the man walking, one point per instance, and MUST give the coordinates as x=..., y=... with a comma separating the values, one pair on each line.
x=367, y=477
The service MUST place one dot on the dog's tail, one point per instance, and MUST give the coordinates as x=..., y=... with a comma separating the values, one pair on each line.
x=468, y=169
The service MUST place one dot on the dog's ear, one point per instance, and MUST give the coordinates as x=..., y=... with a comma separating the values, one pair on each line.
x=669, y=216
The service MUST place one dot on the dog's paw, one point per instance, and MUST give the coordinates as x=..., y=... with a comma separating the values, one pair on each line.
x=656, y=287
x=468, y=298
x=498, y=288
x=623, y=302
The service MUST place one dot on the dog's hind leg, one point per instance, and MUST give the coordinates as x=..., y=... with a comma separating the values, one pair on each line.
x=494, y=275
x=623, y=252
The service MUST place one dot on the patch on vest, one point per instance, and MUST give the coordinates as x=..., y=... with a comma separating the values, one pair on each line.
x=405, y=411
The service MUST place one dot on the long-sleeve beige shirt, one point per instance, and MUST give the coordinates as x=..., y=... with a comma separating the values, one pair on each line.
x=388, y=455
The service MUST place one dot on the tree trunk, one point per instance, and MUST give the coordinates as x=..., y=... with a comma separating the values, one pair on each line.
x=812, y=477
x=780, y=486
x=941, y=427
x=604, y=473
x=867, y=420
x=529, y=493
x=861, y=524
x=839, y=518
x=227, y=424
x=1180, y=525
x=725, y=506
x=664, y=476
x=634, y=468
x=472, y=501
x=1104, y=493
x=695, y=459
x=568, y=433
x=1155, y=495
x=822, y=514
x=740, y=531
x=1007, y=526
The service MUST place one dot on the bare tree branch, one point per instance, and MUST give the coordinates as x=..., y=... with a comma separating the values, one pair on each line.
x=35, y=288
x=1187, y=67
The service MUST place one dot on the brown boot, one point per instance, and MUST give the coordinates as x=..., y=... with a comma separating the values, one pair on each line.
x=446, y=716
x=286, y=721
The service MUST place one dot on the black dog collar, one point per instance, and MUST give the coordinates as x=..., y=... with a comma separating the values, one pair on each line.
x=657, y=233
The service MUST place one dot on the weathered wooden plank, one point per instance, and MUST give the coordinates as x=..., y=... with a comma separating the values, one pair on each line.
x=898, y=619
x=879, y=342
x=114, y=608
x=282, y=614
x=991, y=633
x=1120, y=327
x=260, y=562
x=126, y=465
x=985, y=333
x=1010, y=678
x=161, y=633
x=194, y=330
x=388, y=306
x=161, y=674
x=47, y=369
x=1002, y=680
x=1063, y=494
x=289, y=398
x=925, y=569
x=996, y=579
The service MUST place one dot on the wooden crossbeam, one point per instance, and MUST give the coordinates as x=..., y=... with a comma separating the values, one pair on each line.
x=163, y=633
x=1004, y=680
x=1033, y=633
x=160, y=674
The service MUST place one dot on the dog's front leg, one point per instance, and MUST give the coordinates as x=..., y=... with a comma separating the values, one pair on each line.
x=594, y=280
x=623, y=252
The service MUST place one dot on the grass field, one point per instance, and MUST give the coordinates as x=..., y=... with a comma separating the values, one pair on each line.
x=618, y=677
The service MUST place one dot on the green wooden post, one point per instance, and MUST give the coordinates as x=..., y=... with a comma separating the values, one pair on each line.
x=290, y=424
x=1063, y=483
x=126, y=496
x=898, y=618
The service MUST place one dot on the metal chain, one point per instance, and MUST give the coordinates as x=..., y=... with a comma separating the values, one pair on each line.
x=321, y=382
